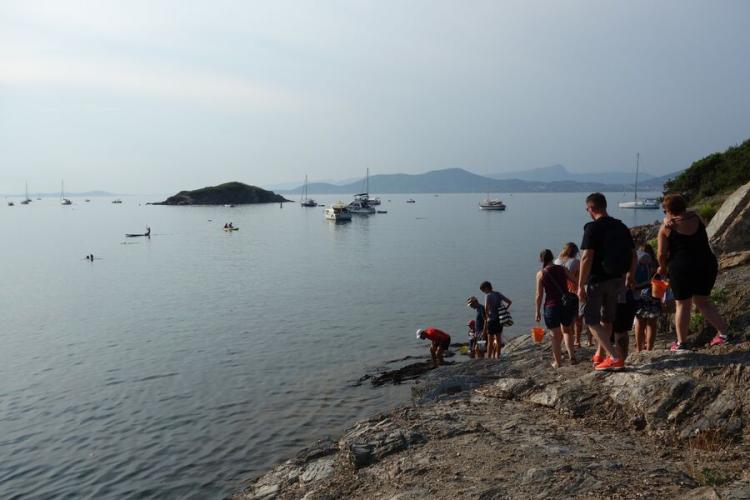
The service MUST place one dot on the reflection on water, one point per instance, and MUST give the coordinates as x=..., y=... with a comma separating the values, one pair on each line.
x=178, y=365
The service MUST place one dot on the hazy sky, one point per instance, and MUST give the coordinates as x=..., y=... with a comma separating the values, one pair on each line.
x=156, y=96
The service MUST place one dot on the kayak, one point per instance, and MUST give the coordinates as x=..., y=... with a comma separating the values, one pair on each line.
x=136, y=235
x=231, y=229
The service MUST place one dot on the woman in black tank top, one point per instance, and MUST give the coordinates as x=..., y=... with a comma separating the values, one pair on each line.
x=685, y=255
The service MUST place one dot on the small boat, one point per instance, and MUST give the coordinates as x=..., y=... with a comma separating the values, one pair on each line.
x=117, y=201
x=87, y=200
x=382, y=211
x=26, y=200
x=410, y=200
x=229, y=229
x=338, y=212
x=11, y=204
x=63, y=199
x=147, y=234
x=305, y=201
x=491, y=204
x=229, y=205
x=362, y=204
x=648, y=204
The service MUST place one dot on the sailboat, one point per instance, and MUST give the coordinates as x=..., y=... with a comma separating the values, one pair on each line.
x=26, y=200
x=491, y=203
x=361, y=204
x=63, y=199
x=305, y=201
x=649, y=204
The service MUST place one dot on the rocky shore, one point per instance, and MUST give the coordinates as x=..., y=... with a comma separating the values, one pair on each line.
x=668, y=425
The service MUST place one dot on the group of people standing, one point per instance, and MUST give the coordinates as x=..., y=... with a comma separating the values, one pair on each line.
x=608, y=291
x=604, y=289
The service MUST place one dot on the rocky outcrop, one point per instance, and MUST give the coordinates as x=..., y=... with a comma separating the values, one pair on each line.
x=230, y=193
x=668, y=425
x=729, y=230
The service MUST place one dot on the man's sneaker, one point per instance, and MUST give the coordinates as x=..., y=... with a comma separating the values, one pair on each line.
x=678, y=347
x=596, y=359
x=719, y=340
x=610, y=364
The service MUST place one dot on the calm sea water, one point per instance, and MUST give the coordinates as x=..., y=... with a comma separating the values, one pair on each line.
x=178, y=366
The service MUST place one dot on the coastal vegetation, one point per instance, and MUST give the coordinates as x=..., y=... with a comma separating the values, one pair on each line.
x=227, y=193
x=710, y=179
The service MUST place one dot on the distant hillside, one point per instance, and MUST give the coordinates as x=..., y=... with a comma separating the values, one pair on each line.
x=452, y=180
x=223, y=194
x=716, y=174
x=556, y=173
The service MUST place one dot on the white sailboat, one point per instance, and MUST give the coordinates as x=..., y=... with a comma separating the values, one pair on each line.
x=63, y=199
x=361, y=204
x=648, y=203
x=26, y=199
x=305, y=201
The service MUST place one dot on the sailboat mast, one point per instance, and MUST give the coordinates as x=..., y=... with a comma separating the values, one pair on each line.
x=637, y=168
x=367, y=182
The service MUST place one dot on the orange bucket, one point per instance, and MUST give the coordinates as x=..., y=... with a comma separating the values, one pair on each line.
x=658, y=288
x=537, y=334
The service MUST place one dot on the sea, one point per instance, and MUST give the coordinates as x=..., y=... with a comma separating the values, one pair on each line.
x=184, y=364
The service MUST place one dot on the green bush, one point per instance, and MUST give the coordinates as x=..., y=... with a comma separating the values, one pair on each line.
x=707, y=211
x=718, y=173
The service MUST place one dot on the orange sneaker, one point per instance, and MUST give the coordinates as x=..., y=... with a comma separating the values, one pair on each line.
x=610, y=364
x=596, y=359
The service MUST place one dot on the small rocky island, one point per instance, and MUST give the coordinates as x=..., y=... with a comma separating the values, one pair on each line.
x=229, y=193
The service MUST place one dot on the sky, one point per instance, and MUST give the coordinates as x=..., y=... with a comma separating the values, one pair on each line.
x=156, y=96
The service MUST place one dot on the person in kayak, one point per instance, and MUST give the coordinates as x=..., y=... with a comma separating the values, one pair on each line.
x=148, y=232
x=441, y=342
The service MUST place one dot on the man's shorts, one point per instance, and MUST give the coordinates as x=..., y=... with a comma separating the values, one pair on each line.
x=554, y=316
x=625, y=314
x=494, y=327
x=601, y=301
x=446, y=344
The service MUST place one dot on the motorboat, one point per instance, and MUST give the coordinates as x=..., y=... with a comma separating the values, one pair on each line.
x=338, y=212
x=410, y=200
x=491, y=204
x=361, y=205
x=305, y=201
x=228, y=205
x=11, y=204
x=87, y=200
x=649, y=203
x=117, y=201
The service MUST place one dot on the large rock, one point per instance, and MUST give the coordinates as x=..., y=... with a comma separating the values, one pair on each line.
x=729, y=230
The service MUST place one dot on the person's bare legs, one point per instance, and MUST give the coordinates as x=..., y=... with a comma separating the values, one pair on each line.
x=556, y=340
x=490, y=346
x=650, y=333
x=621, y=344
x=682, y=319
x=433, y=353
x=640, y=334
x=602, y=333
x=568, y=333
x=709, y=311
x=577, y=327
x=499, y=346
x=439, y=354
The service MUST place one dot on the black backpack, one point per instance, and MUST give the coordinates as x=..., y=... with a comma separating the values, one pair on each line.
x=617, y=248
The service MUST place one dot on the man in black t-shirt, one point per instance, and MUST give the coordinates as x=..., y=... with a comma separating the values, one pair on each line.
x=598, y=287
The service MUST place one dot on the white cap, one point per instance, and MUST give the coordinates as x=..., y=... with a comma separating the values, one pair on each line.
x=420, y=332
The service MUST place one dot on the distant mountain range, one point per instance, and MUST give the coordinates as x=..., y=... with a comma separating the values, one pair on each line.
x=557, y=173
x=457, y=180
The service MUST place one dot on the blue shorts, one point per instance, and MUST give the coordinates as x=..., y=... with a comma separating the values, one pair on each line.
x=554, y=316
